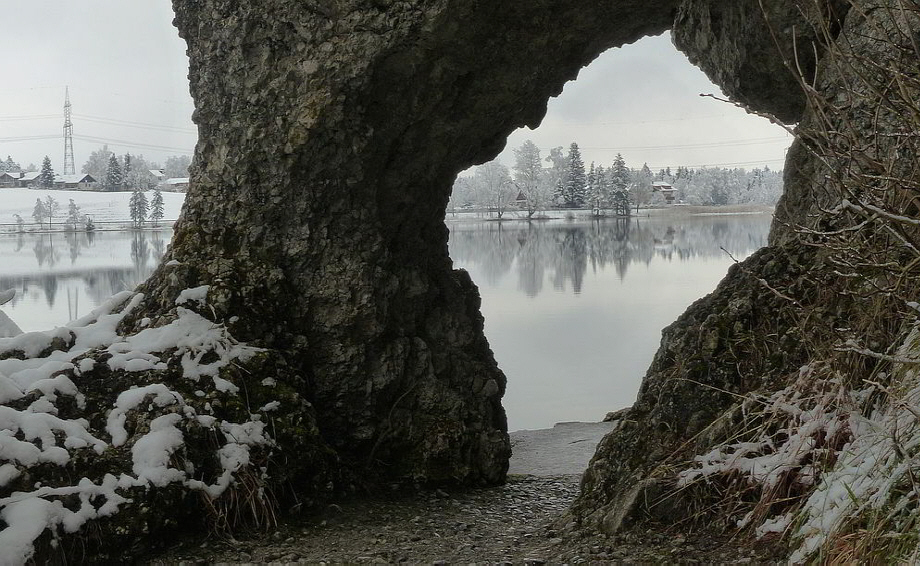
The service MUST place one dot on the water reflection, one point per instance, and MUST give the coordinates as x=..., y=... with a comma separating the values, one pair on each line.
x=64, y=275
x=574, y=310
x=567, y=250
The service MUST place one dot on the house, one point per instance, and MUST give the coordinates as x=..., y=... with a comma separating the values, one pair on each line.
x=158, y=174
x=80, y=181
x=9, y=179
x=30, y=179
x=176, y=185
x=667, y=191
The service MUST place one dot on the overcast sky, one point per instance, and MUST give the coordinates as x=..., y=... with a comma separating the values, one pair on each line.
x=127, y=72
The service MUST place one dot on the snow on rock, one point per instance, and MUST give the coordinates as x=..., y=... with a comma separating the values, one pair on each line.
x=45, y=380
x=199, y=294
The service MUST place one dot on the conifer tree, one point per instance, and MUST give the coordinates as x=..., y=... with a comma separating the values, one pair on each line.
x=113, y=176
x=125, y=173
x=138, y=207
x=38, y=213
x=576, y=179
x=46, y=177
x=619, y=175
x=156, y=207
x=594, y=194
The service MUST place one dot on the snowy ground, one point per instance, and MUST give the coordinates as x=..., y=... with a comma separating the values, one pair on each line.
x=101, y=207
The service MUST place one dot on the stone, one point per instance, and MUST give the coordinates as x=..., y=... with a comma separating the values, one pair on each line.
x=330, y=134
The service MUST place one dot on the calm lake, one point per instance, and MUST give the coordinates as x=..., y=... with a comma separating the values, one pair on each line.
x=573, y=309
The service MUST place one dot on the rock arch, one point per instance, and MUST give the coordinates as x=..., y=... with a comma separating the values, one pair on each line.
x=330, y=134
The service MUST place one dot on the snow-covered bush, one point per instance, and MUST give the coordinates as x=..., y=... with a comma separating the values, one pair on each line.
x=110, y=428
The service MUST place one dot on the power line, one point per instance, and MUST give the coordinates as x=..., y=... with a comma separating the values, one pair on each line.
x=705, y=145
x=29, y=117
x=129, y=144
x=735, y=164
x=132, y=124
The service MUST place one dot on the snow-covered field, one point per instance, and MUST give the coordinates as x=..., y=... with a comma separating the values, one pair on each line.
x=101, y=207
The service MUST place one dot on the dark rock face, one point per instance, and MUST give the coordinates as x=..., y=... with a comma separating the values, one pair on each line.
x=330, y=136
x=755, y=51
x=785, y=306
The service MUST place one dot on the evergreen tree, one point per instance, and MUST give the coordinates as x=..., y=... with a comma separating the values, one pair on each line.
x=11, y=165
x=126, y=174
x=113, y=177
x=594, y=196
x=575, y=187
x=46, y=177
x=73, y=215
x=156, y=207
x=620, y=176
x=138, y=207
x=38, y=213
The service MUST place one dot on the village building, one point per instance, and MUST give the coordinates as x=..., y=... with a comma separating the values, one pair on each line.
x=667, y=191
x=29, y=180
x=175, y=185
x=80, y=181
x=9, y=179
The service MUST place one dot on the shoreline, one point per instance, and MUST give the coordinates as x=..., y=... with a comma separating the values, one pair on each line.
x=575, y=215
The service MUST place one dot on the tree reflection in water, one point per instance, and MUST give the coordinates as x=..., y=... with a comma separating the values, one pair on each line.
x=101, y=264
x=562, y=252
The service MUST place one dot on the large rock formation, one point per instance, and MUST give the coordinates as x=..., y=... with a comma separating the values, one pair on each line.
x=330, y=133
x=780, y=387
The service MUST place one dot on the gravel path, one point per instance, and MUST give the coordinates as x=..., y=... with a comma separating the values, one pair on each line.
x=509, y=524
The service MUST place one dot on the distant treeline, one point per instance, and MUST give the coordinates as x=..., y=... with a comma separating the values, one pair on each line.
x=565, y=182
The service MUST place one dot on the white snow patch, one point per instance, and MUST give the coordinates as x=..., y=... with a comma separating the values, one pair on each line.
x=38, y=436
x=199, y=294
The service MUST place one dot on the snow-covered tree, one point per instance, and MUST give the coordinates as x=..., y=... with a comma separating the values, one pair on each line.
x=38, y=213
x=530, y=177
x=97, y=164
x=51, y=209
x=493, y=184
x=9, y=165
x=46, y=177
x=20, y=223
x=619, y=176
x=641, y=186
x=596, y=196
x=74, y=218
x=138, y=207
x=575, y=184
x=156, y=207
x=125, y=173
x=177, y=166
x=113, y=177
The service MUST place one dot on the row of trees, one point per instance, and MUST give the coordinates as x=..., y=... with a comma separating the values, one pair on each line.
x=49, y=209
x=129, y=172
x=139, y=209
x=567, y=183
x=114, y=173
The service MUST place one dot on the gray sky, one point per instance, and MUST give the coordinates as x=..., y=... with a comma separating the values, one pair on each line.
x=126, y=69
